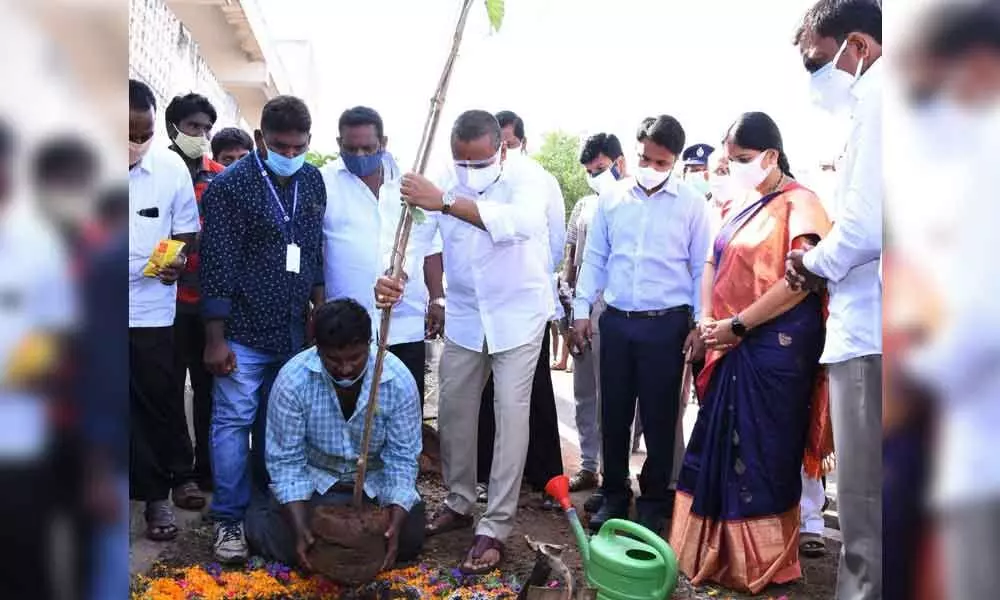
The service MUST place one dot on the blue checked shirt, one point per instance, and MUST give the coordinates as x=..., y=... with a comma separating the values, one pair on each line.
x=310, y=447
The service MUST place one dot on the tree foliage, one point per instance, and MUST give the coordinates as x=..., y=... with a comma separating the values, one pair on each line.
x=560, y=155
x=318, y=159
x=495, y=11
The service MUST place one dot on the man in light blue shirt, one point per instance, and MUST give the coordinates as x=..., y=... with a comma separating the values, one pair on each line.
x=646, y=249
x=315, y=421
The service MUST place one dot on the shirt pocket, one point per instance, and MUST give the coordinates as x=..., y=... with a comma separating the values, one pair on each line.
x=145, y=233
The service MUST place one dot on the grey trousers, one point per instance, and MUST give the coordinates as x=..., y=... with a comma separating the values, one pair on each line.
x=972, y=545
x=856, y=409
x=270, y=534
x=587, y=393
x=463, y=375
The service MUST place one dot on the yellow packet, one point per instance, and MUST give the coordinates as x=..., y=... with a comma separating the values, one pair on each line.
x=166, y=252
x=33, y=357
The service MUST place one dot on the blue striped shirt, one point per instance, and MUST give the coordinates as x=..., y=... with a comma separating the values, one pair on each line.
x=310, y=446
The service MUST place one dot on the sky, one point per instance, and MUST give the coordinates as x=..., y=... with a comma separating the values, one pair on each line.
x=582, y=66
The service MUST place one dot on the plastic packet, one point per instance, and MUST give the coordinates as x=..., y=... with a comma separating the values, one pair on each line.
x=166, y=252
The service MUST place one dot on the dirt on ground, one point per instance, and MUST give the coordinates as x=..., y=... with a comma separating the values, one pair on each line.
x=194, y=546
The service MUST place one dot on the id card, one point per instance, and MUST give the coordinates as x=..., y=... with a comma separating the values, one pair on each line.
x=293, y=258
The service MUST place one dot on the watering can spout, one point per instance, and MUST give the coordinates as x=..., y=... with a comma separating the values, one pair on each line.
x=558, y=488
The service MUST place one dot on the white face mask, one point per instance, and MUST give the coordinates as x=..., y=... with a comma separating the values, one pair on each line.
x=479, y=179
x=722, y=188
x=747, y=176
x=137, y=151
x=192, y=147
x=602, y=181
x=649, y=178
x=830, y=87
x=698, y=181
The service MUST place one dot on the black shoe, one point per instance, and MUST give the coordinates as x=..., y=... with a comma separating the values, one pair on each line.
x=614, y=507
x=594, y=503
x=653, y=514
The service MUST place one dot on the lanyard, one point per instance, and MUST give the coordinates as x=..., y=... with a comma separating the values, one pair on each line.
x=277, y=199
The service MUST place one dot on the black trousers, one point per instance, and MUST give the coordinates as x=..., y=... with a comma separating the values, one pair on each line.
x=414, y=356
x=641, y=357
x=189, y=351
x=544, y=448
x=157, y=426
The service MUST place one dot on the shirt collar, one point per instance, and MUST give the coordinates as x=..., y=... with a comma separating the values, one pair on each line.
x=315, y=364
x=671, y=187
x=146, y=162
x=869, y=83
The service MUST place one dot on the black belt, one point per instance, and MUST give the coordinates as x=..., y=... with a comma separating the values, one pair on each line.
x=649, y=314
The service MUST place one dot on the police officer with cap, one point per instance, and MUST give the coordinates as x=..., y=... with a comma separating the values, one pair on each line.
x=696, y=166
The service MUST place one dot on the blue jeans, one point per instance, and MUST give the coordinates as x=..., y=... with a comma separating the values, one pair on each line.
x=239, y=407
x=109, y=544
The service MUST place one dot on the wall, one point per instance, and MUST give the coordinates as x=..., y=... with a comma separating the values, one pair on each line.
x=163, y=54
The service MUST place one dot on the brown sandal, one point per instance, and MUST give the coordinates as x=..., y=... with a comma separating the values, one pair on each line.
x=812, y=545
x=447, y=520
x=481, y=545
x=160, y=524
x=187, y=496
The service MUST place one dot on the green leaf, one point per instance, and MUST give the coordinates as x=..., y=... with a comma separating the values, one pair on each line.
x=494, y=8
x=418, y=215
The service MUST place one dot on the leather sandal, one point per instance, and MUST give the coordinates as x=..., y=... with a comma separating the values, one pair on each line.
x=447, y=520
x=481, y=545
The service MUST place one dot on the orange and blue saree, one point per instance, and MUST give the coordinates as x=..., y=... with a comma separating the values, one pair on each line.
x=764, y=408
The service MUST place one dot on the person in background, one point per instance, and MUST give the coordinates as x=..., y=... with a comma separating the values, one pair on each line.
x=359, y=230
x=722, y=192
x=189, y=119
x=230, y=144
x=65, y=173
x=647, y=328
x=261, y=270
x=696, y=170
x=162, y=205
x=544, y=449
x=315, y=425
x=491, y=222
x=840, y=42
x=604, y=161
x=762, y=390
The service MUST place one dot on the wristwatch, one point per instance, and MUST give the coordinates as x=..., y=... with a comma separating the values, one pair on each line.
x=438, y=302
x=739, y=328
x=447, y=201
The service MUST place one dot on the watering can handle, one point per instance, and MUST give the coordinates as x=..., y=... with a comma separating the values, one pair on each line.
x=613, y=526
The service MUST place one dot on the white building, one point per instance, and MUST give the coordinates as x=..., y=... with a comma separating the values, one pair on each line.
x=221, y=49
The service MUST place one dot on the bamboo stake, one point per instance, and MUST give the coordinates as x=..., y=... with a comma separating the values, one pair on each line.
x=399, y=248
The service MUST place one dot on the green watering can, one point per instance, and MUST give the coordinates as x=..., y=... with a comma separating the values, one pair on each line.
x=639, y=565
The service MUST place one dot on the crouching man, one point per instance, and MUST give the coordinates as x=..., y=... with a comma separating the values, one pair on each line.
x=315, y=420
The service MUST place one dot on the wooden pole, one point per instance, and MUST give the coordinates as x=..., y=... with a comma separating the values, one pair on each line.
x=399, y=248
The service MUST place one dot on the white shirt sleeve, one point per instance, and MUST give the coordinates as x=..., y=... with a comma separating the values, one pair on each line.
x=556, y=217
x=856, y=236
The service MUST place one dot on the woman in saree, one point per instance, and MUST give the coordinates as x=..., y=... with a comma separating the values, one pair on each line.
x=763, y=403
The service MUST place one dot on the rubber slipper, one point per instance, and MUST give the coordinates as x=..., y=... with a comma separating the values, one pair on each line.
x=481, y=545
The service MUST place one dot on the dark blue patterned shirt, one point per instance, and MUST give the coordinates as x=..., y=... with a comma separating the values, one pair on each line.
x=243, y=246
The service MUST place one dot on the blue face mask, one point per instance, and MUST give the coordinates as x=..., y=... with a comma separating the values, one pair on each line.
x=282, y=165
x=346, y=383
x=362, y=165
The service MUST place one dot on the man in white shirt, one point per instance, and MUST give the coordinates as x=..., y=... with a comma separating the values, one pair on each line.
x=500, y=302
x=841, y=45
x=544, y=450
x=161, y=206
x=359, y=229
x=646, y=250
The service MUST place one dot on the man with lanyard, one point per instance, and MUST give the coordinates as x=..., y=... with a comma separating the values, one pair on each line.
x=544, y=448
x=500, y=302
x=189, y=119
x=262, y=267
x=359, y=229
x=646, y=250
x=604, y=161
x=161, y=206
x=841, y=46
